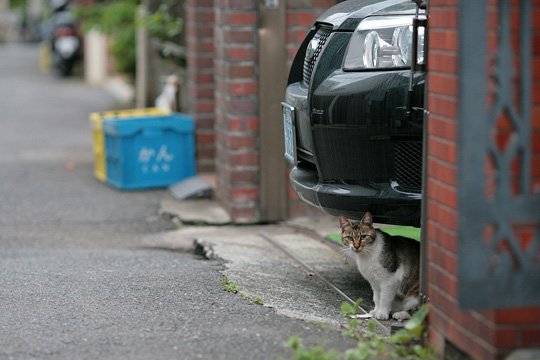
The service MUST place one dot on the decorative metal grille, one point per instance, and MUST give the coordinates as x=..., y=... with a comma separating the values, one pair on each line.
x=499, y=211
x=408, y=166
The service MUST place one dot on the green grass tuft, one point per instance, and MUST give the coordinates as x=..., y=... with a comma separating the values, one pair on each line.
x=228, y=286
x=405, y=231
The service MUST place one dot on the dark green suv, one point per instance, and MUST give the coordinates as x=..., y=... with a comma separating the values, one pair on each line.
x=353, y=111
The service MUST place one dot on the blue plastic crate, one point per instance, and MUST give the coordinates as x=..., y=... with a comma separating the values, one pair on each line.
x=149, y=151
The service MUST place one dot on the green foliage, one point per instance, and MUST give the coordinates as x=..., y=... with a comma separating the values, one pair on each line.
x=409, y=339
x=416, y=324
x=162, y=24
x=90, y=16
x=258, y=301
x=118, y=14
x=17, y=4
x=300, y=352
x=349, y=309
x=369, y=346
x=335, y=237
x=228, y=286
x=117, y=20
x=405, y=231
x=404, y=344
x=414, y=328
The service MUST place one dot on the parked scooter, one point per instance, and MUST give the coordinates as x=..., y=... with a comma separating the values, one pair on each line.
x=65, y=40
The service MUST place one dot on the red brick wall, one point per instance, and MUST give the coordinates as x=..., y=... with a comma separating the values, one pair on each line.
x=200, y=77
x=237, y=122
x=481, y=334
x=222, y=40
x=236, y=101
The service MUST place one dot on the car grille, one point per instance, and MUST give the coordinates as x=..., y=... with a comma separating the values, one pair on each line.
x=311, y=57
x=408, y=166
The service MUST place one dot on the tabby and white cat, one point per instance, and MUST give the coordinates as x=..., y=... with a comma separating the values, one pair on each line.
x=391, y=264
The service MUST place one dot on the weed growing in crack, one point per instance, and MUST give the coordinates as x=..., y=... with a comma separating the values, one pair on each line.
x=258, y=301
x=227, y=285
x=407, y=343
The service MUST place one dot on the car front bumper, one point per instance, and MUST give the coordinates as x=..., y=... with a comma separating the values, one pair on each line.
x=388, y=205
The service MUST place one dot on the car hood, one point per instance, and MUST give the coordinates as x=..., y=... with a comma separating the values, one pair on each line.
x=345, y=16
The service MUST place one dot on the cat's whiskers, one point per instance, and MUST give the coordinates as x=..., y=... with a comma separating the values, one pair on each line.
x=346, y=251
x=364, y=251
x=347, y=254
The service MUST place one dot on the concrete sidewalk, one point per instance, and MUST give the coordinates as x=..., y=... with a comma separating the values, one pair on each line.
x=263, y=271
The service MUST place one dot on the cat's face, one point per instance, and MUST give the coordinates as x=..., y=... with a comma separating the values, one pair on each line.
x=357, y=235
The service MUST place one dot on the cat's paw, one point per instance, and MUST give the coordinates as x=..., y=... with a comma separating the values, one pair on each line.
x=401, y=315
x=380, y=315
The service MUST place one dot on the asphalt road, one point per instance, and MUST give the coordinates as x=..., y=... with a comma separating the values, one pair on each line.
x=75, y=282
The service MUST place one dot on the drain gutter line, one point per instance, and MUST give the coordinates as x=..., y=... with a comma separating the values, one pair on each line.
x=267, y=237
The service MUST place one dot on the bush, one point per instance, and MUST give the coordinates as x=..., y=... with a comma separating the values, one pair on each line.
x=162, y=24
x=17, y=4
x=117, y=20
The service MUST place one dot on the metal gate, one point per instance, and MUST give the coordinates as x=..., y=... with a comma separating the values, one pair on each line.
x=499, y=211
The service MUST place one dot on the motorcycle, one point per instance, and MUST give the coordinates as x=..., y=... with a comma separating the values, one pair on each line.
x=65, y=42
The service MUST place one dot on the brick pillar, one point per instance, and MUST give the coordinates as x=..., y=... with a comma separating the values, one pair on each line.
x=237, y=121
x=301, y=15
x=200, y=77
x=236, y=98
x=489, y=334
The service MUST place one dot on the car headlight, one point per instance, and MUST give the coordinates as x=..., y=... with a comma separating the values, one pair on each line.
x=383, y=42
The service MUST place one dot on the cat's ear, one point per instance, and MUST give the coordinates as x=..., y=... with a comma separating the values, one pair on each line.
x=367, y=219
x=343, y=221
